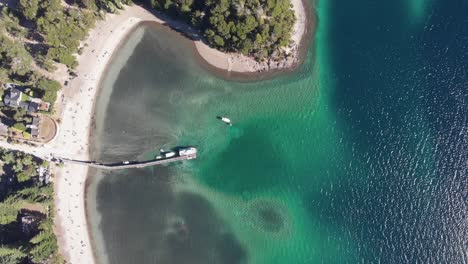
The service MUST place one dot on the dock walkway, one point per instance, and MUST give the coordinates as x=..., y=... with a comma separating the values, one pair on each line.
x=132, y=164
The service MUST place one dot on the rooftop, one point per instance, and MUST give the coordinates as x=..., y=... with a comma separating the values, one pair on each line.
x=13, y=97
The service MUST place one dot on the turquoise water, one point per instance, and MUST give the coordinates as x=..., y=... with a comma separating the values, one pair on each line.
x=358, y=156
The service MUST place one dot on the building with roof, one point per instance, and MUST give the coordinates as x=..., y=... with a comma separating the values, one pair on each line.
x=34, y=123
x=13, y=97
x=28, y=223
x=34, y=126
x=34, y=132
x=32, y=107
x=44, y=106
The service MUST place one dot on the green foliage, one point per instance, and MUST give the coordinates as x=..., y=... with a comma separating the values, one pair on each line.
x=45, y=243
x=8, y=157
x=19, y=126
x=25, y=167
x=29, y=8
x=48, y=89
x=11, y=255
x=42, y=248
x=36, y=194
x=19, y=115
x=62, y=31
x=46, y=63
x=10, y=23
x=25, y=173
x=14, y=57
x=8, y=211
x=253, y=27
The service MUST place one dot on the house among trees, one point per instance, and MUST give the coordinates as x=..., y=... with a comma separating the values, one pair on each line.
x=30, y=220
x=34, y=126
x=14, y=97
x=29, y=223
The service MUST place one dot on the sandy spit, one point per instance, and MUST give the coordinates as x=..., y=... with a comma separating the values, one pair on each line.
x=235, y=62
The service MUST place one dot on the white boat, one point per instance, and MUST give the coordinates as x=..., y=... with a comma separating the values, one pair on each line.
x=226, y=120
x=169, y=154
x=187, y=151
x=126, y=162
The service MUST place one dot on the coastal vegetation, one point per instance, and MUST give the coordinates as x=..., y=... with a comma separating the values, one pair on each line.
x=36, y=36
x=252, y=27
x=261, y=29
x=42, y=32
x=26, y=210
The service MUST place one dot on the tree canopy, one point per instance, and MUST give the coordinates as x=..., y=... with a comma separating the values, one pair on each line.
x=40, y=244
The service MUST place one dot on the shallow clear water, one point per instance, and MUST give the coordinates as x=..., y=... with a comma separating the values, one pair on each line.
x=359, y=156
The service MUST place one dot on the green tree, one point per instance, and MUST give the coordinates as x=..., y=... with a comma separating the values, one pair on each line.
x=8, y=211
x=18, y=167
x=45, y=243
x=49, y=89
x=23, y=176
x=27, y=160
x=218, y=40
x=19, y=114
x=14, y=57
x=29, y=8
x=8, y=157
x=11, y=255
x=19, y=126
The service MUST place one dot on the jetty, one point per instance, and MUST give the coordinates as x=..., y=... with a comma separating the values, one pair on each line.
x=183, y=154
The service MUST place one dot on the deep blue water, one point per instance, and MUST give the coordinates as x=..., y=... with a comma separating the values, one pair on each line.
x=400, y=88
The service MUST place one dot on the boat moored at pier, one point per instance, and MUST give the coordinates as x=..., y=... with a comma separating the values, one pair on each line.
x=190, y=152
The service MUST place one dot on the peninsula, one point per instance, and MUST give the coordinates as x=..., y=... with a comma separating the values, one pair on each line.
x=54, y=55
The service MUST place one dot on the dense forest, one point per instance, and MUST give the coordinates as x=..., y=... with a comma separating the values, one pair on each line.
x=35, y=35
x=26, y=211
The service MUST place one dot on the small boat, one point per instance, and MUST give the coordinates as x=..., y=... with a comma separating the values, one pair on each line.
x=126, y=162
x=226, y=120
x=187, y=151
x=169, y=154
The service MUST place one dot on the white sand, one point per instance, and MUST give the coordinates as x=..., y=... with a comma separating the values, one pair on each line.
x=77, y=115
x=75, y=107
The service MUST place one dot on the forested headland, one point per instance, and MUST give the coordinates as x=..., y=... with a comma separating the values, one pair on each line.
x=259, y=28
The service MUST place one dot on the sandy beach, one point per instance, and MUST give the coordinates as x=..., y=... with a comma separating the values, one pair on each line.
x=77, y=115
x=75, y=108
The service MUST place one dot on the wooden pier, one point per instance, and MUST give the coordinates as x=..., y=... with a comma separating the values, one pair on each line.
x=131, y=164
